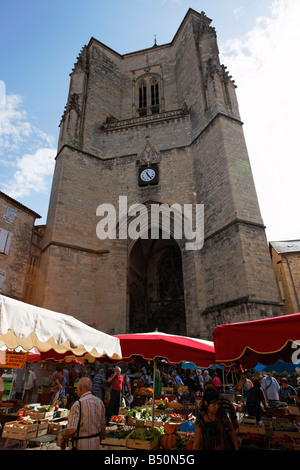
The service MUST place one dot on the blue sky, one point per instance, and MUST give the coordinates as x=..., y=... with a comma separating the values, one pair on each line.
x=259, y=43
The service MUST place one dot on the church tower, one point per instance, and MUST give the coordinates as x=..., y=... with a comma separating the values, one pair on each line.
x=159, y=127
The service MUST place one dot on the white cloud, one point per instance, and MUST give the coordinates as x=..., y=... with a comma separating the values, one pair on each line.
x=265, y=66
x=238, y=12
x=14, y=127
x=31, y=175
x=25, y=173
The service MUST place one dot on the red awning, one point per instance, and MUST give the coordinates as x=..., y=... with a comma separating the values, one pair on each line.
x=174, y=348
x=265, y=341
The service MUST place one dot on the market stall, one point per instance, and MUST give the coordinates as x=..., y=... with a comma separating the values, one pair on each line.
x=154, y=414
x=56, y=337
x=266, y=342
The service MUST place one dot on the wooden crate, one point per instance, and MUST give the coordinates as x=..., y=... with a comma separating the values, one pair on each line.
x=175, y=405
x=42, y=427
x=22, y=432
x=284, y=429
x=111, y=447
x=157, y=424
x=135, y=422
x=139, y=444
x=252, y=428
x=112, y=441
x=41, y=415
x=54, y=427
x=167, y=390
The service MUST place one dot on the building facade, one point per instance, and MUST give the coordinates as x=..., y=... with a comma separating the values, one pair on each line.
x=285, y=257
x=16, y=228
x=153, y=127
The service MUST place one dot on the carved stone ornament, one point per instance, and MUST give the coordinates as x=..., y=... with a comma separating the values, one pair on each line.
x=149, y=155
x=82, y=63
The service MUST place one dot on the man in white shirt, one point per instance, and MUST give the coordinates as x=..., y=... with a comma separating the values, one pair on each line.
x=29, y=384
x=270, y=388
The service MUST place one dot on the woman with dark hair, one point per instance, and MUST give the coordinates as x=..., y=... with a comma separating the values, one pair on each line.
x=214, y=429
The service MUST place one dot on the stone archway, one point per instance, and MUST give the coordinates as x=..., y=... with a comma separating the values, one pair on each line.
x=156, y=288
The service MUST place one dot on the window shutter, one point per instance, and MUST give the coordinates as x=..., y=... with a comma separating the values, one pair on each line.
x=5, y=240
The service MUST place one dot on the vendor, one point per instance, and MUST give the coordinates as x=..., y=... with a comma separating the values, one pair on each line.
x=58, y=383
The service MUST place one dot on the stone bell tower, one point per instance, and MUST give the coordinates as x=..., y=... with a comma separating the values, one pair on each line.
x=152, y=127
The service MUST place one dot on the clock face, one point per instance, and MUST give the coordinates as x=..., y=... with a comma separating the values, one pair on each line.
x=148, y=174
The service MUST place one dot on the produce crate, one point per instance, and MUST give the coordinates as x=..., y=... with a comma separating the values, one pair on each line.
x=249, y=425
x=54, y=427
x=42, y=427
x=167, y=390
x=41, y=415
x=139, y=444
x=175, y=405
x=111, y=447
x=113, y=441
x=135, y=422
x=20, y=431
x=277, y=412
x=294, y=410
x=158, y=424
x=286, y=428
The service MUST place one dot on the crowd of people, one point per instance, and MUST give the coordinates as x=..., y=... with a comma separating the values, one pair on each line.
x=101, y=393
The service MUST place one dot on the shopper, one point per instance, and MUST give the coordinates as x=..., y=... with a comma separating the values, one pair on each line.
x=98, y=384
x=198, y=378
x=86, y=421
x=117, y=388
x=255, y=398
x=214, y=429
x=58, y=384
x=287, y=393
x=270, y=388
x=206, y=377
x=244, y=385
x=217, y=382
x=29, y=383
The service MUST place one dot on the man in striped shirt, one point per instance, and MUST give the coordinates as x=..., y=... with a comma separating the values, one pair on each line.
x=89, y=413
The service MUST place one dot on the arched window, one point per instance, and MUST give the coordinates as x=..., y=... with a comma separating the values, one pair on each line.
x=142, y=98
x=154, y=96
x=148, y=96
x=170, y=275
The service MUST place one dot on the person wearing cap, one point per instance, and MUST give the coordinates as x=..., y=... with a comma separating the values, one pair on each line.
x=198, y=379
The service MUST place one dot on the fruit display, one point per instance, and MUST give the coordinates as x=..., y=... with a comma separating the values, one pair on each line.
x=143, y=391
x=176, y=417
x=118, y=419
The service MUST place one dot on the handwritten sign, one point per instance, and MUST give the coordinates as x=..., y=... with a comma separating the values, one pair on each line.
x=13, y=359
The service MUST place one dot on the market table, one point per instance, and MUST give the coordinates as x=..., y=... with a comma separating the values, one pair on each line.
x=44, y=441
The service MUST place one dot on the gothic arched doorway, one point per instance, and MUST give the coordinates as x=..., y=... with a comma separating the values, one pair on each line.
x=156, y=287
